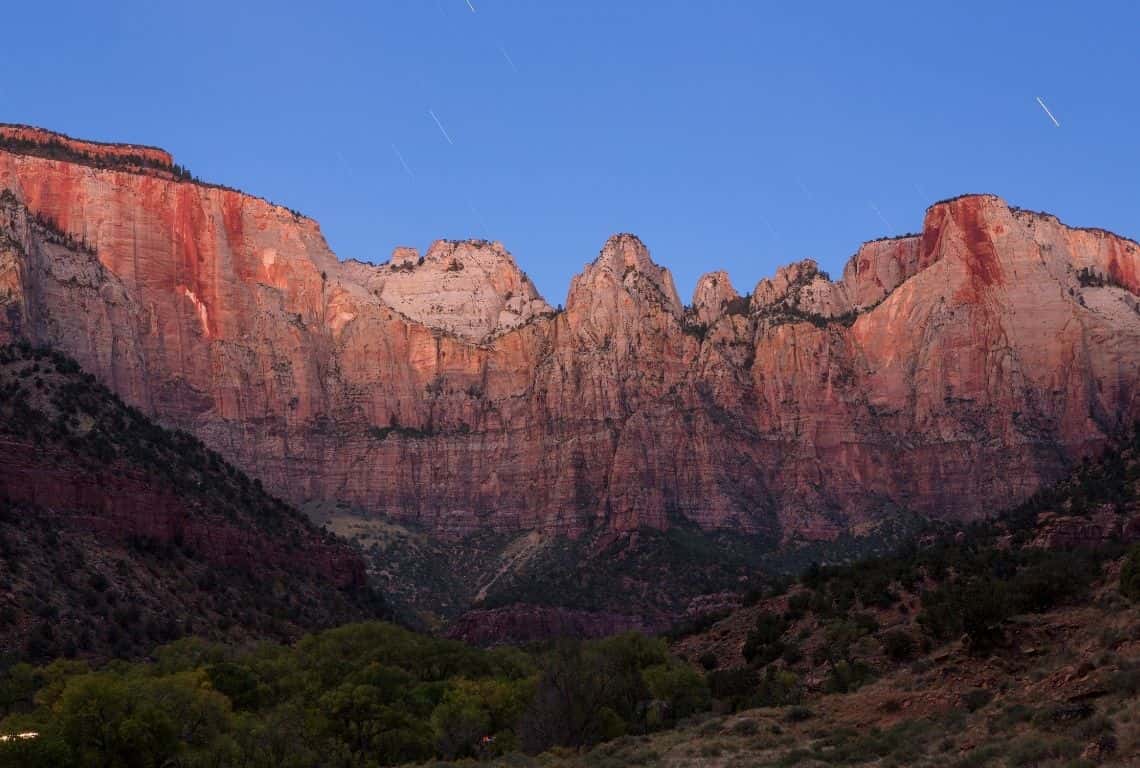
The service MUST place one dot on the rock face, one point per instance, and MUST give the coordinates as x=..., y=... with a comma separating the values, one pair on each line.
x=1098, y=529
x=712, y=297
x=471, y=289
x=950, y=372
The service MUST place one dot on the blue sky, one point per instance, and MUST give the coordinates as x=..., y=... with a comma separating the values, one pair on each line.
x=730, y=135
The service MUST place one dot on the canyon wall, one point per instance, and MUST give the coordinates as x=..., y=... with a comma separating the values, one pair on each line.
x=950, y=372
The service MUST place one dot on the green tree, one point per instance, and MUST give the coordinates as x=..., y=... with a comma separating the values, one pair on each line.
x=365, y=720
x=589, y=692
x=282, y=737
x=108, y=720
x=984, y=605
x=237, y=682
x=680, y=687
x=17, y=686
x=474, y=710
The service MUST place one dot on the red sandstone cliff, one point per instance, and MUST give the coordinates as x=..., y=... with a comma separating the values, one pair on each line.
x=950, y=372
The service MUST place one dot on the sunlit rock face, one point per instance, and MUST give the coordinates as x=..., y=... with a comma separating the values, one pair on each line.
x=472, y=289
x=950, y=372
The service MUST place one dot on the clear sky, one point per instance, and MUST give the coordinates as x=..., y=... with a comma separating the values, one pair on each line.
x=736, y=135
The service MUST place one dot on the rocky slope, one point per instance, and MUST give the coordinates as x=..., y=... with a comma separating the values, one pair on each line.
x=1014, y=642
x=1064, y=694
x=116, y=534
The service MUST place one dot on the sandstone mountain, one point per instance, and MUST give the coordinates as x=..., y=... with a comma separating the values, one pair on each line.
x=948, y=373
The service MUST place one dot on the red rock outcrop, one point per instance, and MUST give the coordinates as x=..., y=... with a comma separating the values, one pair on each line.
x=1098, y=528
x=951, y=372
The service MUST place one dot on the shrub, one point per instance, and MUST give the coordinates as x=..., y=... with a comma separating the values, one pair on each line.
x=898, y=644
x=793, y=653
x=976, y=698
x=763, y=644
x=1056, y=577
x=1035, y=750
x=777, y=688
x=984, y=607
x=1126, y=681
x=589, y=692
x=847, y=676
x=798, y=714
x=1130, y=574
x=976, y=607
x=733, y=685
x=680, y=687
x=799, y=604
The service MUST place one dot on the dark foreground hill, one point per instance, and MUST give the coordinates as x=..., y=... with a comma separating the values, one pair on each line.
x=117, y=535
x=1008, y=644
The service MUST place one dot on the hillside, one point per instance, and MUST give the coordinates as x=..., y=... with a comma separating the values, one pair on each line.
x=1007, y=644
x=117, y=535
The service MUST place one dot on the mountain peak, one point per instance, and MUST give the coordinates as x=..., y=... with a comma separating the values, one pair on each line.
x=472, y=288
x=624, y=263
x=623, y=251
x=712, y=295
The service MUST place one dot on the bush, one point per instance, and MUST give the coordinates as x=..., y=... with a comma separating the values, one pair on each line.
x=793, y=653
x=777, y=688
x=984, y=606
x=847, y=676
x=798, y=714
x=734, y=686
x=1035, y=750
x=976, y=607
x=589, y=692
x=472, y=710
x=976, y=698
x=1130, y=574
x=1054, y=578
x=799, y=604
x=1126, y=681
x=679, y=687
x=763, y=644
x=898, y=644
